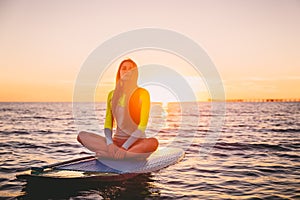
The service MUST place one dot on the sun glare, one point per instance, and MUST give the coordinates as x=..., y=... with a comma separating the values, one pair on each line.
x=161, y=94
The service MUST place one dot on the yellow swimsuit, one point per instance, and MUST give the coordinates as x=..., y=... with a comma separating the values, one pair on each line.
x=139, y=106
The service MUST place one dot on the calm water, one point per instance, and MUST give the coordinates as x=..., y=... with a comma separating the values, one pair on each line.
x=257, y=154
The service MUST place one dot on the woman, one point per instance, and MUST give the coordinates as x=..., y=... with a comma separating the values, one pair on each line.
x=128, y=105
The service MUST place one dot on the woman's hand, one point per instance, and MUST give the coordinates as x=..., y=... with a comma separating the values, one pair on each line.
x=111, y=150
x=120, y=153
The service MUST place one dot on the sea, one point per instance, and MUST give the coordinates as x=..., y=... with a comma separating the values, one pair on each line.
x=233, y=150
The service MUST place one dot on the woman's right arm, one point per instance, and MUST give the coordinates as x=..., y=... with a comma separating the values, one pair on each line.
x=108, y=125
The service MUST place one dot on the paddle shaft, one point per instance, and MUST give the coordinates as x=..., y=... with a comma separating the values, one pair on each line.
x=56, y=164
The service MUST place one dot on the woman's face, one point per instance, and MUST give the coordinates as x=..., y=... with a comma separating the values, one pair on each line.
x=125, y=72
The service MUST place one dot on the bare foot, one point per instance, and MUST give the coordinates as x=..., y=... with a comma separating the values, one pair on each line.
x=114, y=152
x=102, y=154
x=137, y=156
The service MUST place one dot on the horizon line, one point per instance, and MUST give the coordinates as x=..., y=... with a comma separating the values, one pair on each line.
x=208, y=100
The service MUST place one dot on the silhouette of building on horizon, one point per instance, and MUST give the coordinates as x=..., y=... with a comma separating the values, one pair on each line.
x=263, y=100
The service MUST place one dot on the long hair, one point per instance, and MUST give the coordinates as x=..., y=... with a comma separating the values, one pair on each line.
x=123, y=92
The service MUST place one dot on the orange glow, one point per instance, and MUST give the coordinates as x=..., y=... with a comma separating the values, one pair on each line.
x=36, y=93
x=43, y=48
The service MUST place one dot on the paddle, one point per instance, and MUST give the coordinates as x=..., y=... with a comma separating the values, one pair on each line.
x=41, y=169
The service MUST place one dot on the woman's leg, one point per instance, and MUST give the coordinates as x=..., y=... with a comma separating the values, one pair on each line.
x=96, y=143
x=141, y=149
x=92, y=141
x=145, y=145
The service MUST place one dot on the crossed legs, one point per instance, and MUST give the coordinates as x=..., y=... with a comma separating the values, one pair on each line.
x=142, y=148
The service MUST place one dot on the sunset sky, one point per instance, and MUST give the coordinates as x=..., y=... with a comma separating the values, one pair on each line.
x=254, y=44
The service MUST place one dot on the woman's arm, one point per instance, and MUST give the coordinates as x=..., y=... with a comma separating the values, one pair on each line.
x=108, y=120
x=144, y=116
x=145, y=109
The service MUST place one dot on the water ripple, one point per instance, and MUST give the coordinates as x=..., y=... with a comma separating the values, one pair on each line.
x=255, y=157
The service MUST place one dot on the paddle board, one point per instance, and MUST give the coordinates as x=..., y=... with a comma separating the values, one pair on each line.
x=107, y=169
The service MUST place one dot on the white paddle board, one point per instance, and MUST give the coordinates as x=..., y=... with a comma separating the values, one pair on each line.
x=110, y=170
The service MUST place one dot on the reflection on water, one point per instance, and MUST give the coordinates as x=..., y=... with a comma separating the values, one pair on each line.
x=139, y=187
x=255, y=157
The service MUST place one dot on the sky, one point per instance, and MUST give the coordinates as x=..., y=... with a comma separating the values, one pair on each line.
x=254, y=44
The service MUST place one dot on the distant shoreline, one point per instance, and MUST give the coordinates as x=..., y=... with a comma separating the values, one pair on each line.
x=209, y=100
x=264, y=100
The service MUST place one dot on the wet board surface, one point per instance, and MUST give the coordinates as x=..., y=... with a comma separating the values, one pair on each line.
x=105, y=169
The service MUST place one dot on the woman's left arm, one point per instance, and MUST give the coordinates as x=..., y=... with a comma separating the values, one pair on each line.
x=144, y=116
